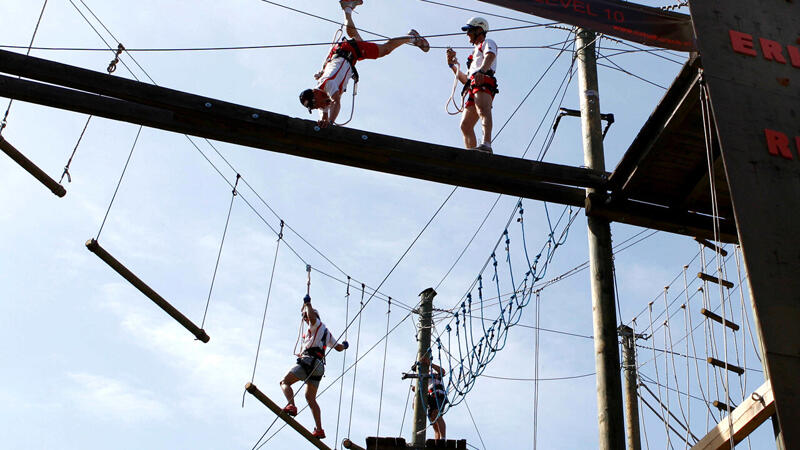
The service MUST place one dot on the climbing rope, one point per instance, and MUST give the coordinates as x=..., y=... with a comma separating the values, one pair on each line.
x=119, y=182
x=344, y=361
x=219, y=253
x=383, y=371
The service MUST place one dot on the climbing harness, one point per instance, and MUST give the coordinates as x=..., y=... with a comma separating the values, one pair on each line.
x=348, y=50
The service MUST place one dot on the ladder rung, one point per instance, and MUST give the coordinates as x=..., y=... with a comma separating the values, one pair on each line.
x=32, y=168
x=717, y=318
x=713, y=279
x=721, y=364
x=722, y=406
x=95, y=248
x=712, y=246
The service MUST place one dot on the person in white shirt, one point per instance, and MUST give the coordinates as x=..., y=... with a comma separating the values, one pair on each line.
x=310, y=364
x=340, y=64
x=480, y=83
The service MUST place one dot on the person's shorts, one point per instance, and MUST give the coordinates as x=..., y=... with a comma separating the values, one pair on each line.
x=369, y=50
x=317, y=370
x=489, y=86
x=436, y=401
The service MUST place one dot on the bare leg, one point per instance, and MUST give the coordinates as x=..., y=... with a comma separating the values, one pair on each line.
x=483, y=101
x=286, y=387
x=468, y=120
x=387, y=47
x=351, y=27
x=442, y=431
x=311, y=398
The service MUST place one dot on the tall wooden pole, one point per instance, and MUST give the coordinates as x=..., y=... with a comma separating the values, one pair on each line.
x=631, y=396
x=424, y=345
x=609, y=388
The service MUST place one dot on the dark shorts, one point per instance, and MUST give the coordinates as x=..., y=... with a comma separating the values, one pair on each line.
x=317, y=370
x=436, y=402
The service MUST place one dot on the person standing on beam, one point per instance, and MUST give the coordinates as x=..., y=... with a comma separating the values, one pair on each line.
x=480, y=83
x=310, y=364
x=339, y=66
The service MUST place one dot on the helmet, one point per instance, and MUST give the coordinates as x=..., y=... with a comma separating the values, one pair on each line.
x=476, y=22
x=307, y=99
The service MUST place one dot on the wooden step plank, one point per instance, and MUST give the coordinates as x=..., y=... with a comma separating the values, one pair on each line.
x=753, y=411
x=713, y=279
x=719, y=319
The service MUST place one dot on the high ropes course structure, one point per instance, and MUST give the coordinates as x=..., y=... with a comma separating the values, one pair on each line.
x=682, y=387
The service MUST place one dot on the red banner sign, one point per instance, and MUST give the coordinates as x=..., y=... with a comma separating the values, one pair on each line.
x=638, y=23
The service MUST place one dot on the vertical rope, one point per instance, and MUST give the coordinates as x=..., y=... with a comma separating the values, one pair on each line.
x=355, y=368
x=383, y=373
x=4, y=122
x=344, y=360
x=219, y=254
x=74, y=150
x=122, y=175
x=266, y=304
x=658, y=379
x=537, y=313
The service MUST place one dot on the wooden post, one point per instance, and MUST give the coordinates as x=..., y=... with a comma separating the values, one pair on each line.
x=609, y=387
x=631, y=393
x=424, y=344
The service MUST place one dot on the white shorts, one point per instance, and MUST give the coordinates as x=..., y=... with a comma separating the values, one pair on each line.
x=335, y=76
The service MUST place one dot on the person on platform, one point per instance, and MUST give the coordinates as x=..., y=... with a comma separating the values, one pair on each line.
x=435, y=397
x=480, y=84
x=339, y=66
x=310, y=365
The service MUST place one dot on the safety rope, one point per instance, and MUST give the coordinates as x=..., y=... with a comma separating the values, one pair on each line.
x=344, y=362
x=4, y=121
x=74, y=150
x=355, y=369
x=383, y=371
x=119, y=182
x=219, y=253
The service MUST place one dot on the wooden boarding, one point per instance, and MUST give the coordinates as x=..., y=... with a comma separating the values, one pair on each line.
x=713, y=279
x=348, y=444
x=753, y=411
x=712, y=246
x=95, y=248
x=252, y=389
x=719, y=319
x=721, y=364
x=32, y=168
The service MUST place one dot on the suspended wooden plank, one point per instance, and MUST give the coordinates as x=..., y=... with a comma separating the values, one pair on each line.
x=722, y=406
x=719, y=319
x=713, y=279
x=348, y=444
x=723, y=365
x=95, y=248
x=31, y=168
x=753, y=411
x=252, y=389
x=712, y=246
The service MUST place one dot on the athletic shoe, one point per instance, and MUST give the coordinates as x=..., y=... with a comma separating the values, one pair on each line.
x=318, y=433
x=484, y=148
x=419, y=41
x=351, y=4
x=290, y=410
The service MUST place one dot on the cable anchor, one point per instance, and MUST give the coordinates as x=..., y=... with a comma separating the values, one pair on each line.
x=112, y=66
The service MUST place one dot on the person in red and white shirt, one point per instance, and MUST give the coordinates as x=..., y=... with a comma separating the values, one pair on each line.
x=480, y=84
x=339, y=66
x=310, y=365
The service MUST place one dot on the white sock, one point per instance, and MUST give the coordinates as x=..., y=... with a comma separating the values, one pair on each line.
x=348, y=10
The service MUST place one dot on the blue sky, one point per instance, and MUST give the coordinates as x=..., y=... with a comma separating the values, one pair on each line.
x=91, y=363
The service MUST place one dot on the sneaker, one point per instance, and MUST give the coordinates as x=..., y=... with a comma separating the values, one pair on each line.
x=484, y=148
x=290, y=410
x=419, y=41
x=318, y=433
x=351, y=4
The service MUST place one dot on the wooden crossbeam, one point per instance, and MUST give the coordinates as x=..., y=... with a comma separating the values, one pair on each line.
x=255, y=392
x=95, y=248
x=712, y=246
x=719, y=319
x=751, y=413
x=713, y=279
x=31, y=168
x=172, y=110
x=723, y=365
x=348, y=444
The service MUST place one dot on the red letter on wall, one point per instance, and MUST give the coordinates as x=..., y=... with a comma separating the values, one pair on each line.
x=772, y=50
x=794, y=55
x=778, y=143
x=742, y=43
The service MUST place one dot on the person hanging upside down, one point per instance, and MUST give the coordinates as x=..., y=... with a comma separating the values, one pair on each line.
x=310, y=364
x=480, y=85
x=339, y=66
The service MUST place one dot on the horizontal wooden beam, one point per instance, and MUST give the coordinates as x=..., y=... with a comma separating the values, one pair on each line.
x=658, y=218
x=713, y=279
x=717, y=318
x=751, y=413
x=172, y=110
x=348, y=444
x=32, y=168
x=723, y=365
x=255, y=392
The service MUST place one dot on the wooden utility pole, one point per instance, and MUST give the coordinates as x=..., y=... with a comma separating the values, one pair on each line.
x=631, y=396
x=609, y=389
x=424, y=345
